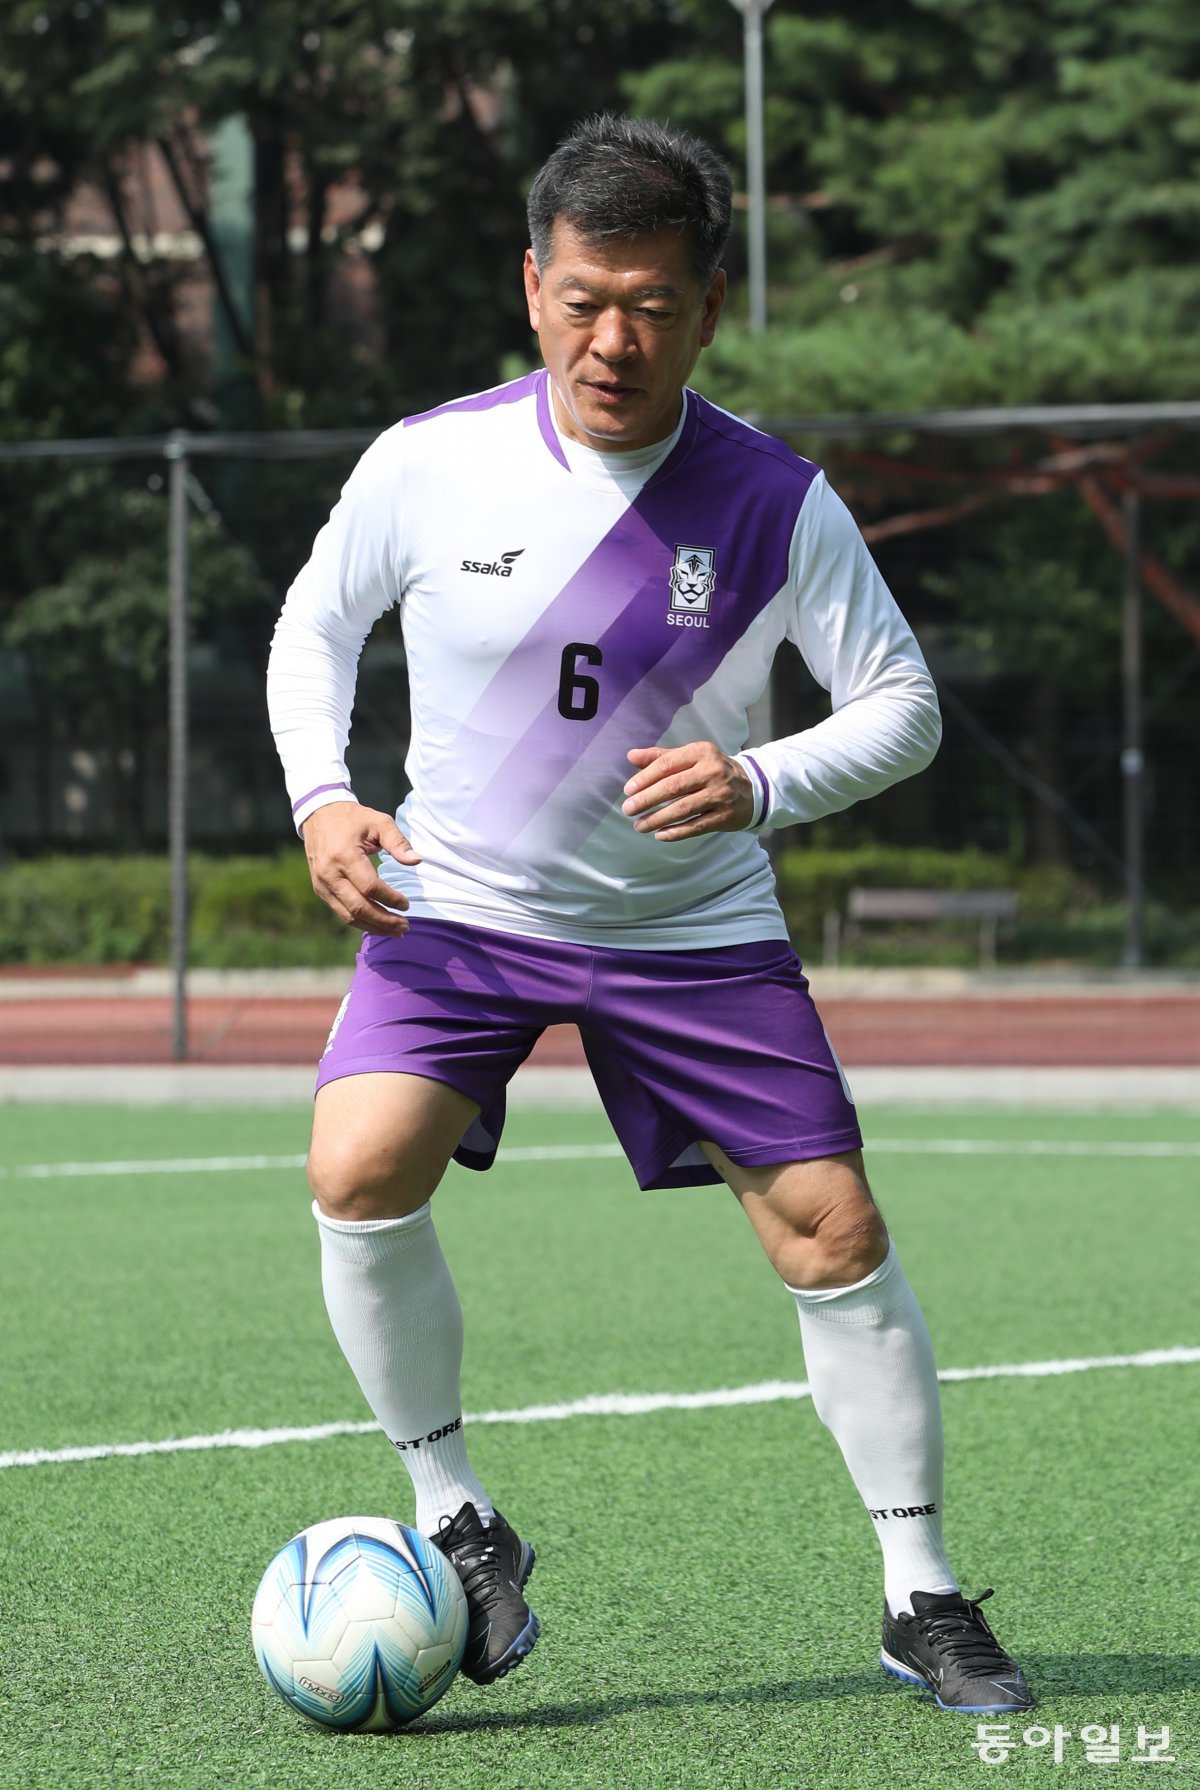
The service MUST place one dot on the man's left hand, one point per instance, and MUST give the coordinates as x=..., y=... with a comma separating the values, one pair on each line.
x=681, y=791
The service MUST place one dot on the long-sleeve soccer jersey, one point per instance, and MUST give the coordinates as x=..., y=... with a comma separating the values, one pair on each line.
x=557, y=613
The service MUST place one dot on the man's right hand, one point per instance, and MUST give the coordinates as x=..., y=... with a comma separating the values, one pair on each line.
x=340, y=841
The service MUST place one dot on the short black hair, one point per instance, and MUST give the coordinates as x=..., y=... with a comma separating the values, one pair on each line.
x=619, y=177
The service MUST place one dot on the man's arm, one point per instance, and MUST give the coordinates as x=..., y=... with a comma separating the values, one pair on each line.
x=351, y=578
x=885, y=724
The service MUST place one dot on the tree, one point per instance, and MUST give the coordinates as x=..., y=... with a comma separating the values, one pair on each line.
x=975, y=205
x=971, y=204
x=95, y=641
x=391, y=146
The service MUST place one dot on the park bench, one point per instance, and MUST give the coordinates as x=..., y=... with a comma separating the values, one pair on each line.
x=929, y=906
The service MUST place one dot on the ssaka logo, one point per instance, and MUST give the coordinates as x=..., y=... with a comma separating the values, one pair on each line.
x=693, y=579
x=493, y=568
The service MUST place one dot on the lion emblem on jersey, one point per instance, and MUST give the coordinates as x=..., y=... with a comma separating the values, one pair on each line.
x=693, y=577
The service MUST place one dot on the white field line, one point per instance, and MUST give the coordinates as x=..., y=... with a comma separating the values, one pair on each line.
x=610, y=1404
x=1026, y=1146
x=886, y=1146
x=175, y=1165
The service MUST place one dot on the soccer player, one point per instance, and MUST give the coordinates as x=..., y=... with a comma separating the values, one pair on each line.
x=595, y=567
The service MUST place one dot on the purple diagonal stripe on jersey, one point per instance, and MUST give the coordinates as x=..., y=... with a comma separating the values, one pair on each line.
x=711, y=493
x=546, y=421
x=499, y=394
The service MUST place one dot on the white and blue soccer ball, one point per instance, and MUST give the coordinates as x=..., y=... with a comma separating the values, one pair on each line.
x=360, y=1623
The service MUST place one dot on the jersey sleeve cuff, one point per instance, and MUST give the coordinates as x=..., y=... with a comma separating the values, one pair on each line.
x=320, y=797
x=761, y=788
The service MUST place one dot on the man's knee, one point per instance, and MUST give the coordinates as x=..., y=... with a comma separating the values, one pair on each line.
x=816, y=1220
x=334, y=1181
x=381, y=1143
x=848, y=1243
x=353, y=1182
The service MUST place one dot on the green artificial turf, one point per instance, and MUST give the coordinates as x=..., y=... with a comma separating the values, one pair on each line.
x=708, y=1583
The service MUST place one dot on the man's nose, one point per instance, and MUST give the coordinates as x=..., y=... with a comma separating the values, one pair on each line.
x=613, y=337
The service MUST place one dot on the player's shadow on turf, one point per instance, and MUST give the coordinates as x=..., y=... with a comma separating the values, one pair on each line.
x=606, y=1709
x=1077, y=1674
x=1052, y=1675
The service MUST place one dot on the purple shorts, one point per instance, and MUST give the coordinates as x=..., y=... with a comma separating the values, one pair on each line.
x=723, y=1044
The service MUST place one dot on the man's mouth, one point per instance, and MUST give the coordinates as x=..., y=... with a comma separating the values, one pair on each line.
x=610, y=393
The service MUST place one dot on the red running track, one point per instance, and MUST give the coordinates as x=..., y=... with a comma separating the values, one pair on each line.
x=973, y=1030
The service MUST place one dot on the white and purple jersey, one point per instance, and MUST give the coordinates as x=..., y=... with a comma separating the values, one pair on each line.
x=561, y=606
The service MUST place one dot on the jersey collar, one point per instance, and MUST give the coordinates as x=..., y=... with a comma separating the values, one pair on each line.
x=684, y=435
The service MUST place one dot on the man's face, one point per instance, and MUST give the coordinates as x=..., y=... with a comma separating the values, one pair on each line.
x=621, y=325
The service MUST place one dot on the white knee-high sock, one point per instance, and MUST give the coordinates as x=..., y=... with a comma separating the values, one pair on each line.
x=395, y=1312
x=874, y=1385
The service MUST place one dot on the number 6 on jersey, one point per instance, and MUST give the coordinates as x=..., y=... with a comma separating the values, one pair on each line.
x=578, y=694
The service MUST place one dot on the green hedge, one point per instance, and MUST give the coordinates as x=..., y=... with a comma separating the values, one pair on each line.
x=251, y=913
x=1063, y=918
x=814, y=883
x=247, y=913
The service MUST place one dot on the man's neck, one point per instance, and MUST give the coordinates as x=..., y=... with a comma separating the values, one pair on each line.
x=568, y=432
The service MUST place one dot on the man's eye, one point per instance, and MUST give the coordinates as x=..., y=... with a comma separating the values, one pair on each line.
x=655, y=316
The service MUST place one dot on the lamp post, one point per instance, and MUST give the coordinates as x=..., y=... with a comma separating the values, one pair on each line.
x=760, y=716
x=756, y=191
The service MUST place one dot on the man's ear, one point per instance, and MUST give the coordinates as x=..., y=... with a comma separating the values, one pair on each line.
x=714, y=299
x=533, y=290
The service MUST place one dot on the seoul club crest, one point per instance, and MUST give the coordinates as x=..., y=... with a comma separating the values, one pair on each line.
x=693, y=580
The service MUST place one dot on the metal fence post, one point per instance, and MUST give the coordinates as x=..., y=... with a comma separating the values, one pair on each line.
x=177, y=752
x=1133, y=763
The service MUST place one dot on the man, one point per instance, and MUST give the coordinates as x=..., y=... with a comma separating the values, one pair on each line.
x=594, y=568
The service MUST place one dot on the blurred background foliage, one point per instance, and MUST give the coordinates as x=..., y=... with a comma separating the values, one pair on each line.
x=977, y=204
x=259, y=912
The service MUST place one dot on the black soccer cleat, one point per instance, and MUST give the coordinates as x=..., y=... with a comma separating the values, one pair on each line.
x=493, y=1563
x=947, y=1645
